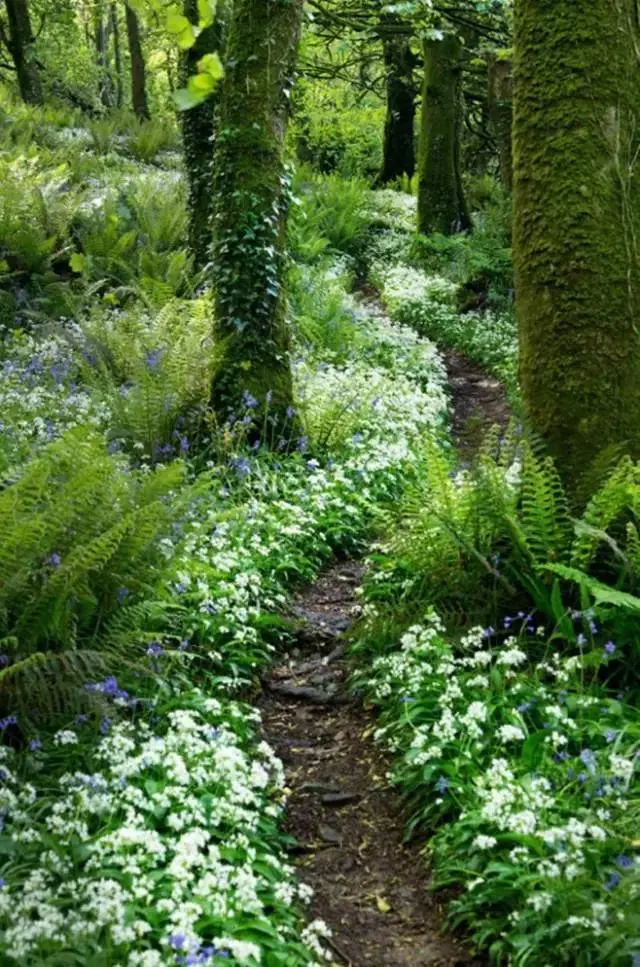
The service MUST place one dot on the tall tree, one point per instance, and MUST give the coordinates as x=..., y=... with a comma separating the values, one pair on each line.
x=102, y=28
x=117, y=54
x=197, y=134
x=500, y=87
x=577, y=224
x=252, y=188
x=138, y=74
x=399, y=157
x=20, y=44
x=441, y=202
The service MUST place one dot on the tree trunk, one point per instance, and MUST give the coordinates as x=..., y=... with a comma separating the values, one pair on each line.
x=21, y=48
x=398, y=147
x=577, y=203
x=101, y=37
x=252, y=191
x=117, y=55
x=197, y=136
x=441, y=202
x=501, y=115
x=138, y=76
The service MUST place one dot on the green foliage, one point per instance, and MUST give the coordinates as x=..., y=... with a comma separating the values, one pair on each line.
x=332, y=216
x=153, y=372
x=148, y=138
x=77, y=528
x=103, y=131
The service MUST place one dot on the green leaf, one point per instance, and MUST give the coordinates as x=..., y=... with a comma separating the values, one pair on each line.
x=182, y=29
x=206, y=12
x=602, y=593
x=212, y=65
x=185, y=99
x=77, y=262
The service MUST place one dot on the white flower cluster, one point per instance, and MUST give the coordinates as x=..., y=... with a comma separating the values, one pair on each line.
x=166, y=837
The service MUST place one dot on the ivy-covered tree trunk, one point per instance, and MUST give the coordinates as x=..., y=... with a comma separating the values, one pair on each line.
x=138, y=76
x=197, y=135
x=501, y=114
x=21, y=47
x=441, y=202
x=252, y=189
x=577, y=225
x=399, y=156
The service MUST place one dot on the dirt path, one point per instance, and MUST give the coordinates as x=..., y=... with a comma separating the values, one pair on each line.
x=478, y=402
x=371, y=889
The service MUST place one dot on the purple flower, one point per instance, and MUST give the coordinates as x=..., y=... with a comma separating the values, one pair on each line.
x=177, y=941
x=249, y=401
x=54, y=559
x=34, y=745
x=155, y=649
x=488, y=632
x=582, y=640
x=105, y=725
x=613, y=881
x=611, y=735
x=184, y=645
x=589, y=759
x=290, y=412
x=624, y=862
x=122, y=594
x=154, y=358
x=610, y=648
x=3, y=882
x=6, y=722
x=442, y=785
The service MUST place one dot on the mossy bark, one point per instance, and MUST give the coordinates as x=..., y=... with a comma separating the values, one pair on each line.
x=102, y=28
x=399, y=155
x=21, y=48
x=117, y=55
x=138, y=74
x=501, y=115
x=252, y=189
x=198, y=126
x=577, y=225
x=441, y=202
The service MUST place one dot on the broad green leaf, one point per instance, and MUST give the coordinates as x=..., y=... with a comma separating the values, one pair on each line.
x=76, y=262
x=212, y=65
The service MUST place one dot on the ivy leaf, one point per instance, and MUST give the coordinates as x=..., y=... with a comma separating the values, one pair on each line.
x=212, y=65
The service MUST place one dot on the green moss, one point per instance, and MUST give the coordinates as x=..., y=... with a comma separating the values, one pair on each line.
x=577, y=135
x=252, y=190
x=441, y=203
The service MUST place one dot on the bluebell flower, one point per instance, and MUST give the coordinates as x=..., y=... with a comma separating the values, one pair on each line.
x=290, y=412
x=34, y=745
x=6, y=722
x=177, y=941
x=582, y=640
x=155, y=649
x=610, y=648
x=249, y=401
x=407, y=698
x=613, y=881
x=105, y=725
x=611, y=735
x=154, y=358
x=54, y=559
x=122, y=594
x=624, y=862
x=442, y=785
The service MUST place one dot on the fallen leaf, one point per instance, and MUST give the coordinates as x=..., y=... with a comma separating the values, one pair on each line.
x=383, y=905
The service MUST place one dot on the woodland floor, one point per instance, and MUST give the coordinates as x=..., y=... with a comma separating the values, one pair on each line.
x=369, y=887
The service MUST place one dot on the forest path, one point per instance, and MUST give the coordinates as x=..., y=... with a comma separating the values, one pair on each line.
x=370, y=888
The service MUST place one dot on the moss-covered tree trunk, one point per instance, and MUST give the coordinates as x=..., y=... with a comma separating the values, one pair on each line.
x=117, y=55
x=252, y=188
x=102, y=27
x=441, y=202
x=577, y=225
x=399, y=156
x=501, y=114
x=138, y=74
x=198, y=125
x=21, y=43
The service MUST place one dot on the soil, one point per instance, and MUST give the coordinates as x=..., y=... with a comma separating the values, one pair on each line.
x=478, y=402
x=370, y=887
